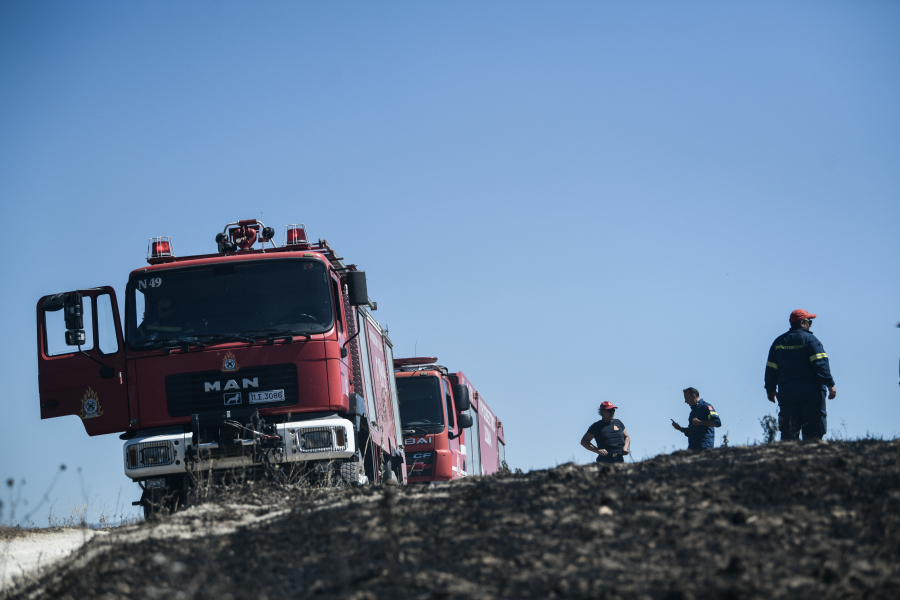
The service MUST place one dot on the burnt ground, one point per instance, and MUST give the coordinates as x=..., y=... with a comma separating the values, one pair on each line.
x=786, y=520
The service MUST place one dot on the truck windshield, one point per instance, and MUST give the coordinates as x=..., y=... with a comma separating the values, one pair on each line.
x=216, y=302
x=420, y=401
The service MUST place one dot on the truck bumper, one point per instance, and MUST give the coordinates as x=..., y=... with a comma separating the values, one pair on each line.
x=171, y=452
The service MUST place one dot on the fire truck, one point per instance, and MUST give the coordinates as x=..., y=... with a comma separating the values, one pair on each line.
x=448, y=429
x=253, y=359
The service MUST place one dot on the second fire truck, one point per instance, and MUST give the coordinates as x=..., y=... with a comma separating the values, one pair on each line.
x=448, y=429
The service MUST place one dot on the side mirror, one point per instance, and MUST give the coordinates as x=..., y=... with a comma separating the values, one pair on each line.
x=464, y=421
x=73, y=311
x=356, y=288
x=357, y=405
x=462, y=397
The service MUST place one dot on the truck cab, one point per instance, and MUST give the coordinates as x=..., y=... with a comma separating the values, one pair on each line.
x=249, y=359
x=441, y=415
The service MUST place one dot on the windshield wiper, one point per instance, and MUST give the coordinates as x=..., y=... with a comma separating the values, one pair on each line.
x=272, y=335
x=425, y=426
x=415, y=429
x=150, y=343
x=184, y=344
x=155, y=343
x=226, y=337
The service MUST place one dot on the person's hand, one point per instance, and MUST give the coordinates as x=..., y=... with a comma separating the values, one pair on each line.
x=771, y=396
x=677, y=426
x=624, y=452
x=602, y=452
x=696, y=422
x=832, y=392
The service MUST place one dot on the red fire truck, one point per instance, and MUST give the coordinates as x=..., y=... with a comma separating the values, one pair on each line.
x=249, y=359
x=448, y=429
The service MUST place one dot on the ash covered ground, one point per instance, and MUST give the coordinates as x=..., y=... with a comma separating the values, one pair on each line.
x=787, y=520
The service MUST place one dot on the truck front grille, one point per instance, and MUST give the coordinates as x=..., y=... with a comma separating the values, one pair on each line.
x=420, y=464
x=209, y=391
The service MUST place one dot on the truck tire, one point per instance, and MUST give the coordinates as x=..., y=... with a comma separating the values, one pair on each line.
x=154, y=503
x=388, y=475
x=350, y=472
x=392, y=477
x=161, y=502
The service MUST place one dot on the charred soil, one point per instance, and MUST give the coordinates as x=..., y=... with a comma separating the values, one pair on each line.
x=786, y=520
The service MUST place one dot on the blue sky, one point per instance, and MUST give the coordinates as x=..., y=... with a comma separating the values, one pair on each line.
x=570, y=202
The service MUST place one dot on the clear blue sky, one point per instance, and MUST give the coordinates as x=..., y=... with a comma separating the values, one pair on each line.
x=570, y=202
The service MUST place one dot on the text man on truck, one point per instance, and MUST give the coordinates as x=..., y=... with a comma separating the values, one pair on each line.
x=448, y=429
x=251, y=358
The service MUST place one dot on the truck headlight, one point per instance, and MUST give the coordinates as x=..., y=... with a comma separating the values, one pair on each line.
x=316, y=440
x=149, y=454
x=155, y=456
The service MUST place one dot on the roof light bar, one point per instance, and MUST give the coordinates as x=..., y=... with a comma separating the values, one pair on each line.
x=418, y=360
x=159, y=247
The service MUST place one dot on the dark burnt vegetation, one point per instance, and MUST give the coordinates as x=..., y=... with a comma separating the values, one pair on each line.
x=784, y=520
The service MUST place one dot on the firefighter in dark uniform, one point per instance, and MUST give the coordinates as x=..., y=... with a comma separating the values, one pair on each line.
x=702, y=421
x=167, y=324
x=798, y=374
x=612, y=441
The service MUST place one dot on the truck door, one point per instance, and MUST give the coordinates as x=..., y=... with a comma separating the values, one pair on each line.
x=458, y=459
x=86, y=381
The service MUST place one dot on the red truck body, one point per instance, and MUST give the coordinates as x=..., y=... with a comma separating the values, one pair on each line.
x=274, y=360
x=448, y=429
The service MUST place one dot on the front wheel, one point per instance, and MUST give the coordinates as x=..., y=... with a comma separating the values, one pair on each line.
x=350, y=474
x=158, y=502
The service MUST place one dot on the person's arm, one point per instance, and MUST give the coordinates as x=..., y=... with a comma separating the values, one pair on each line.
x=587, y=445
x=771, y=374
x=819, y=359
x=627, y=441
x=683, y=430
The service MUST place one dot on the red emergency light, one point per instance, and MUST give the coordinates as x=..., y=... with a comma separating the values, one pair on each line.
x=295, y=234
x=159, y=247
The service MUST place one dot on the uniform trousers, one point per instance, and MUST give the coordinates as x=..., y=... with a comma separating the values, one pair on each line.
x=802, y=413
x=610, y=459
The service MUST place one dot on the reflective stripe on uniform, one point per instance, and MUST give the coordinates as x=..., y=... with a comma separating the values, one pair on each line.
x=712, y=412
x=771, y=364
x=816, y=357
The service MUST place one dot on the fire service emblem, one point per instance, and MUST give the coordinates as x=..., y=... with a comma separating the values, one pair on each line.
x=229, y=363
x=90, y=405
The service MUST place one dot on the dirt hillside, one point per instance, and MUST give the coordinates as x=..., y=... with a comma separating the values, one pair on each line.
x=780, y=521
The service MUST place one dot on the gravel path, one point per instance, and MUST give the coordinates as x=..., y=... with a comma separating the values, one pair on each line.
x=39, y=548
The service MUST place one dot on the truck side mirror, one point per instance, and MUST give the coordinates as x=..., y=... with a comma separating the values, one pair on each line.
x=464, y=421
x=357, y=405
x=461, y=392
x=73, y=311
x=356, y=288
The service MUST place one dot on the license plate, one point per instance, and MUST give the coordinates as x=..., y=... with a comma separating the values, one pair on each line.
x=270, y=396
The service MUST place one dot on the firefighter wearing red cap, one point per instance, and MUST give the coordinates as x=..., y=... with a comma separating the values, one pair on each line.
x=612, y=441
x=798, y=374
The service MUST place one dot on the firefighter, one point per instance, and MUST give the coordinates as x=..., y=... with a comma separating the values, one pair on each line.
x=797, y=375
x=702, y=421
x=612, y=441
x=167, y=323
